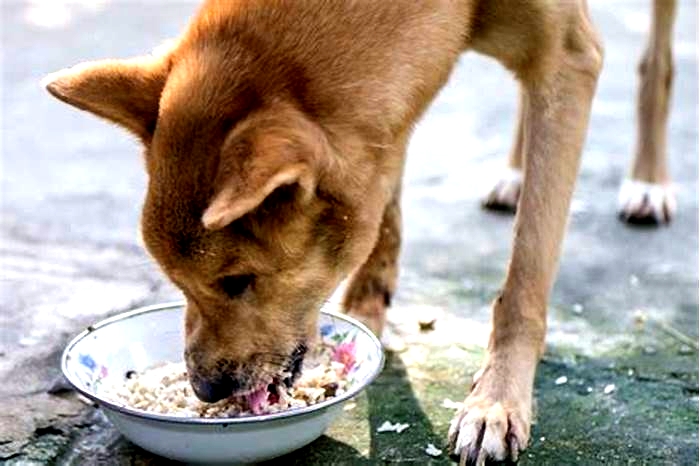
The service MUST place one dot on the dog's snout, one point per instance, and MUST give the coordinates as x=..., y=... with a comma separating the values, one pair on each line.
x=213, y=382
x=215, y=386
x=211, y=390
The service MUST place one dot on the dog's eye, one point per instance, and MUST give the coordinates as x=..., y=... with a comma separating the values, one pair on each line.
x=235, y=285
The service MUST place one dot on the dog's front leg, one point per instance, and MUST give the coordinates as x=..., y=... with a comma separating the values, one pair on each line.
x=371, y=288
x=494, y=422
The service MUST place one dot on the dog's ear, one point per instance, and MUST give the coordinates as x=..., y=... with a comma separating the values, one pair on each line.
x=240, y=197
x=126, y=92
x=263, y=155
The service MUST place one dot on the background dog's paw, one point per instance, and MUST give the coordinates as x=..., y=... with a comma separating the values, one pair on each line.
x=645, y=203
x=506, y=192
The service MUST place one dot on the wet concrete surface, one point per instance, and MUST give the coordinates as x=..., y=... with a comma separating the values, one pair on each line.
x=624, y=310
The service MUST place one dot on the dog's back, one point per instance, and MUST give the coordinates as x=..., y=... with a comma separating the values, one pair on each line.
x=340, y=60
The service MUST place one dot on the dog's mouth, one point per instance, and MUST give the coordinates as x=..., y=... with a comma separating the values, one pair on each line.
x=267, y=392
x=290, y=374
x=255, y=387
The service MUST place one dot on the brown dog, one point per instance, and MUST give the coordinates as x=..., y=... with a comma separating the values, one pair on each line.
x=275, y=134
x=647, y=195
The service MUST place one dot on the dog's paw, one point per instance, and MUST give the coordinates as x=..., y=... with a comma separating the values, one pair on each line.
x=646, y=203
x=506, y=192
x=492, y=425
x=369, y=308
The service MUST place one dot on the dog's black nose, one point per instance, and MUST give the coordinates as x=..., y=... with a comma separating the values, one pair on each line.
x=212, y=390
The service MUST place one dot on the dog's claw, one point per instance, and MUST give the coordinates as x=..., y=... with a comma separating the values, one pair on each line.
x=471, y=457
x=475, y=455
x=513, y=443
x=506, y=192
x=646, y=203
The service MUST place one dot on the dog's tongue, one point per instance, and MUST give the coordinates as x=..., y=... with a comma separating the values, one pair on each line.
x=257, y=399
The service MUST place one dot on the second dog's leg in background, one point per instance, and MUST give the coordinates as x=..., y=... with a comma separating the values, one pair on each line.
x=371, y=288
x=647, y=197
x=506, y=192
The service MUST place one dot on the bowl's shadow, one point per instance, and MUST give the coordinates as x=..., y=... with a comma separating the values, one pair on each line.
x=390, y=398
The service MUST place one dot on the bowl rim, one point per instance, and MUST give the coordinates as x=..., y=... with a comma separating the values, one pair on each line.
x=224, y=421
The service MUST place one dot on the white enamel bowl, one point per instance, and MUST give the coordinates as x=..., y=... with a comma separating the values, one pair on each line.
x=142, y=338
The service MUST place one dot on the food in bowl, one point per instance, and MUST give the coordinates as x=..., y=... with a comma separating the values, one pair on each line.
x=165, y=388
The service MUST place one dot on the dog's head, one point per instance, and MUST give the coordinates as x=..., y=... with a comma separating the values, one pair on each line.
x=236, y=211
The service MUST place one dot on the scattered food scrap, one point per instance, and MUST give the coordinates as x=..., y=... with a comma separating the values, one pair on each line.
x=389, y=427
x=561, y=380
x=577, y=308
x=349, y=406
x=609, y=389
x=427, y=324
x=449, y=404
x=433, y=451
x=640, y=318
x=427, y=317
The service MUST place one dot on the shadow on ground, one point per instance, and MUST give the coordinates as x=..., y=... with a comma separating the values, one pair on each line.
x=390, y=397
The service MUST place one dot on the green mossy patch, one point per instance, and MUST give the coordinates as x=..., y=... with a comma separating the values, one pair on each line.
x=650, y=417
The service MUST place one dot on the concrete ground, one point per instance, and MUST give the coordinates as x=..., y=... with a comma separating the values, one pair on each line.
x=624, y=311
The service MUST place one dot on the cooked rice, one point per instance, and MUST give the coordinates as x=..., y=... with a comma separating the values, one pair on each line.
x=166, y=389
